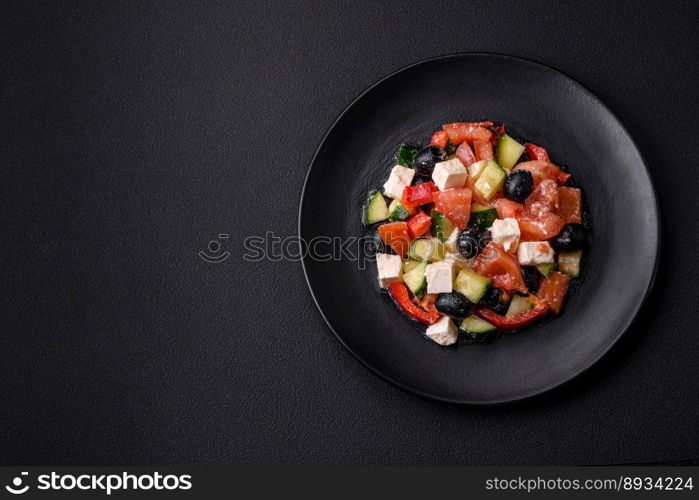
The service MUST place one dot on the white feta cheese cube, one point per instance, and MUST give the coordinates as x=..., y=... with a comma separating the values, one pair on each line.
x=443, y=332
x=506, y=232
x=389, y=267
x=450, y=244
x=400, y=178
x=449, y=174
x=458, y=260
x=440, y=276
x=531, y=253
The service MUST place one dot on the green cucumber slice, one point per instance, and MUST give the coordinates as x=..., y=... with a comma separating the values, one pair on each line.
x=415, y=278
x=476, y=168
x=476, y=328
x=409, y=265
x=472, y=285
x=569, y=263
x=518, y=305
x=508, y=151
x=491, y=180
x=441, y=226
x=397, y=211
x=483, y=217
x=546, y=269
x=474, y=324
x=376, y=209
x=426, y=249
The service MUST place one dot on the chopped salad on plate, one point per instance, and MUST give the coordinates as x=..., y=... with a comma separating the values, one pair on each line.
x=482, y=233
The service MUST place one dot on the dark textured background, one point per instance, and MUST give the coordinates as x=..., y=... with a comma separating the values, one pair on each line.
x=131, y=134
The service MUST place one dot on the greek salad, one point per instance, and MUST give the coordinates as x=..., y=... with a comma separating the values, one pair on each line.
x=482, y=233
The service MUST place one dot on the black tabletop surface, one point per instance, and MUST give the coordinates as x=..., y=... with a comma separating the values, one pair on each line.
x=133, y=134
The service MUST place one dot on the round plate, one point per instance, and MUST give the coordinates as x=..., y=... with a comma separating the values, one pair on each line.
x=541, y=105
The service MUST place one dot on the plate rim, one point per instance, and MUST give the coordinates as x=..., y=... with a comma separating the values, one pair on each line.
x=531, y=394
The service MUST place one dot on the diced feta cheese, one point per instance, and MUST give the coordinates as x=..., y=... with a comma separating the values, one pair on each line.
x=400, y=178
x=389, y=267
x=459, y=261
x=506, y=232
x=440, y=276
x=443, y=332
x=531, y=253
x=475, y=169
x=450, y=244
x=449, y=174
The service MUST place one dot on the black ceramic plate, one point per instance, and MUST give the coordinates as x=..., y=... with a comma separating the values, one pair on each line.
x=543, y=106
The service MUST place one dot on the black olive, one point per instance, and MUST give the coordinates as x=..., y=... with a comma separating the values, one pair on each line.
x=425, y=159
x=420, y=179
x=453, y=304
x=472, y=240
x=531, y=278
x=518, y=185
x=494, y=300
x=572, y=237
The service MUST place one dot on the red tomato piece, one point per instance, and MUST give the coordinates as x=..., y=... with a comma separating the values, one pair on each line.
x=543, y=199
x=414, y=196
x=419, y=224
x=569, y=205
x=440, y=139
x=500, y=266
x=395, y=235
x=535, y=152
x=508, y=208
x=467, y=131
x=465, y=154
x=484, y=150
x=455, y=204
x=553, y=290
x=539, y=227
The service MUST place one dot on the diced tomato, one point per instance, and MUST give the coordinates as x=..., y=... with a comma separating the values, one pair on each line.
x=395, y=235
x=419, y=224
x=508, y=208
x=543, y=199
x=414, y=196
x=540, y=227
x=455, y=204
x=562, y=177
x=483, y=149
x=500, y=266
x=440, y=139
x=467, y=131
x=401, y=296
x=553, y=290
x=465, y=154
x=535, y=152
x=569, y=205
